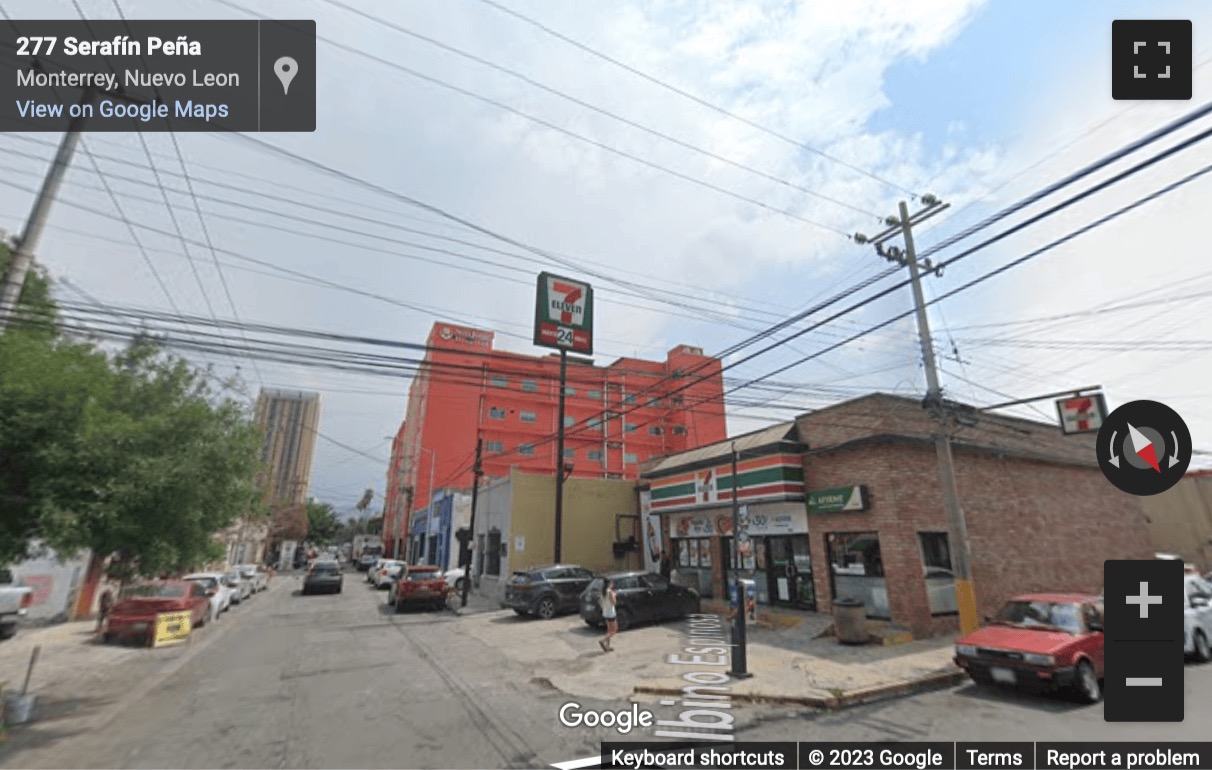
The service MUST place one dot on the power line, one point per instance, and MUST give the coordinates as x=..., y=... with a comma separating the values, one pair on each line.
x=697, y=100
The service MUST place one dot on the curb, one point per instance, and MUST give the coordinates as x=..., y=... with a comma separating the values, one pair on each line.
x=879, y=692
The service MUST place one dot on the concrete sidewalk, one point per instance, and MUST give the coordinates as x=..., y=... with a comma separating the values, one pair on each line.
x=788, y=665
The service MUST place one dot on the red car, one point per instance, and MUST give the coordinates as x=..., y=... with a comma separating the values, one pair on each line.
x=1049, y=642
x=422, y=584
x=134, y=616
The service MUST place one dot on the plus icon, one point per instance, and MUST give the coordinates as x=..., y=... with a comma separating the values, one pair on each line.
x=1151, y=59
x=1144, y=600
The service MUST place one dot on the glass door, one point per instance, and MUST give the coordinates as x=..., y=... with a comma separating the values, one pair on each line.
x=781, y=570
x=803, y=594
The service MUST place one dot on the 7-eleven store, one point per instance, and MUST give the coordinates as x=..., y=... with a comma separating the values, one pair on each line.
x=686, y=500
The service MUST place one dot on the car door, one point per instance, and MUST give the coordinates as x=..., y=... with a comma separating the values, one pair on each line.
x=635, y=597
x=199, y=604
x=1199, y=600
x=1091, y=643
x=564, y=580
x=658, y=595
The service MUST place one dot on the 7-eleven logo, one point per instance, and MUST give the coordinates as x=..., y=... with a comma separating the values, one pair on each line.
x=1081, y=414
x=565, y=301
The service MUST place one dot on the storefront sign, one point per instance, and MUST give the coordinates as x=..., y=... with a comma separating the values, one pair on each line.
x=760, y=523
x=838, y=499
x=563, y=316
x=171, y=628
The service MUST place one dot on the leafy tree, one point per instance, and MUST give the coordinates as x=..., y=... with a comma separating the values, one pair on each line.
x=323, y=524
x=38, y=310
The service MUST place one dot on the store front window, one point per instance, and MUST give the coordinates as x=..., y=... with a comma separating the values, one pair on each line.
x=752, y=564
x=693, y=561
x=780, y=565
x=937, y=572
x=857, y=570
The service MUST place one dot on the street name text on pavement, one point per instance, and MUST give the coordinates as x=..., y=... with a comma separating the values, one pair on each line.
x=178, y=75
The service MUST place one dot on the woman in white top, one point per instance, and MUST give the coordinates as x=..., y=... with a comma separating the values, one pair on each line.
x=610, y=601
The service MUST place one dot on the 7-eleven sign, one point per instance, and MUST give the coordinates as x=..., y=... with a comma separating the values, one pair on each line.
x=564, y=314
x=1082, y=414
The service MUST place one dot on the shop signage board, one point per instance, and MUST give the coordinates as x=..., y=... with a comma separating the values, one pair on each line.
x=1082, y=414
x=171, y=628
x=563, y=314
x=838, y=499
x=683, y=525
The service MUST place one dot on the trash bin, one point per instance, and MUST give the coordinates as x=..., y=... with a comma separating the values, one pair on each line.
x=850, y=621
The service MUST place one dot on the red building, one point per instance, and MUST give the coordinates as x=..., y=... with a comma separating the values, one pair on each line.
x=616, y=416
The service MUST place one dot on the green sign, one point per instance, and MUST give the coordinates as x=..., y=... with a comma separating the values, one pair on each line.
x=838, y=499
x=563, y=317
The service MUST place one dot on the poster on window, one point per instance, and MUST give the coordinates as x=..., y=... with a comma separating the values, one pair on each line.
x=683, y=553
x=652, y=533
x=693, y=545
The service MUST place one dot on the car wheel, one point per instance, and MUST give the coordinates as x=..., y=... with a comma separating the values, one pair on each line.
x=591, y=623
x=1202, y=651
x=546, y=608
x=1087, y=683
x=8, y=630
x=459, y=584
x=624, y=619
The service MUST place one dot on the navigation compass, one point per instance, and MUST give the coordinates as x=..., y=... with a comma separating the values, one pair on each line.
x=1144, y=448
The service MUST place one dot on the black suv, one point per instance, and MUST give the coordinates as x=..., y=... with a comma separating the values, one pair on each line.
x=546, y=591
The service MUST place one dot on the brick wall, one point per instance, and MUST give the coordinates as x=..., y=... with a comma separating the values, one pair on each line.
x=1032, y=526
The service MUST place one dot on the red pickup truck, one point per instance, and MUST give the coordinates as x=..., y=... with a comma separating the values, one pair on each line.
x=420, y=584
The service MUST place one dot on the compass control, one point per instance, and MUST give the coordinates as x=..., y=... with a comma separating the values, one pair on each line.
x=1144, y=448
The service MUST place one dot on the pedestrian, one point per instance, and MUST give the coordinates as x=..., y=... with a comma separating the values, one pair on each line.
x=666, y=565
x=609, y=601
x=105, y=605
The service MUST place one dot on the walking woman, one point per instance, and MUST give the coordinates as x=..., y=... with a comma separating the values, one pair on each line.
x=610, y=601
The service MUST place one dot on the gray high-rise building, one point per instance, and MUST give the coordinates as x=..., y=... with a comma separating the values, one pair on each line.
x=290, y=419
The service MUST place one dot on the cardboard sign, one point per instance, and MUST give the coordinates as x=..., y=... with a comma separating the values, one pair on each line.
x=171, y=628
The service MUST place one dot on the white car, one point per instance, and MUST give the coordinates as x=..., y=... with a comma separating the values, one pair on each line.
x=241, y=588
x=220, y=600
x=387, y=573
x=1197, y=618
x=454, y=578
x=374, y=569
x=257, y=578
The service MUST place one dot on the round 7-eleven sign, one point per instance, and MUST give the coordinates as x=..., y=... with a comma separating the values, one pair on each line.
x=563, y=317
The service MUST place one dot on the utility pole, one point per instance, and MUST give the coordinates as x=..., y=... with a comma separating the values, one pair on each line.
x=471, y=525
x=22, y=257
x=559, y=491
x=740, y=662
x=965, y=593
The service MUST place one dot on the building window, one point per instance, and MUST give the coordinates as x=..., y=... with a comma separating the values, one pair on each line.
x=493, y=553
x=655, y=430
x=628, y=399
x=526, y=450
x=936, y=570
x=530, y=386
x=496, y=413
x=654, y=402
x=528, y=417
x=494, y=446
x=629, y=427
x=596, y=395
x=676, y=400
x=569, y=390
x=595, y=455
x=595, y=423
x=500, y=382
x=630, y=458
x=679, y=430
x=857, y=570
x=570, y=454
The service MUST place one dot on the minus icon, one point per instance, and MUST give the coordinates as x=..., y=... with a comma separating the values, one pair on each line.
x=1143, y=681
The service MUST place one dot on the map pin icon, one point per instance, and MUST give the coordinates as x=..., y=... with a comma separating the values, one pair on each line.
x=286, y=68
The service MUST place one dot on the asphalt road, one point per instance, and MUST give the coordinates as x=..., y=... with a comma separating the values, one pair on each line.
x=333, y=681
x=971, y=713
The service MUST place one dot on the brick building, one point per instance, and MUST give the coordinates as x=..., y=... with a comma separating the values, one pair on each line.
x=616, y=416
x=871, y=526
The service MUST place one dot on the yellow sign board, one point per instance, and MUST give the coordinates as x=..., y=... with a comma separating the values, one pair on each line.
x=171, y=628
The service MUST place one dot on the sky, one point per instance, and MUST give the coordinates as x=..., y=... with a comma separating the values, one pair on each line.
x=705, y=181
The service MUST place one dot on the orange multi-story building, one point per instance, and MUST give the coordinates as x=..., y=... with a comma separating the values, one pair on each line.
x=616, y=417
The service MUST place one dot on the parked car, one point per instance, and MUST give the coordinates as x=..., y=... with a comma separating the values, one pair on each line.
x=323, y=577
x=134, y=616
x=455, y=578
x=15, y=601
x=546, y=591
x=420, y=584
x=366, y=561
x=220, y=597
x=1197, y=618
x=241, y=588
x=374, y=568
x=1041, y=642
x=644, y=597
x=258, y=580
x=387, y=572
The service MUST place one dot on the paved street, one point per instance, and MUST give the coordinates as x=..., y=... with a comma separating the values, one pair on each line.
x=970, y=713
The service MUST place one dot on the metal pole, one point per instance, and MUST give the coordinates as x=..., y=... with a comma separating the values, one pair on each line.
x=471, y=525
x=433, y=460
x=965, y=593
x=559, y=491
x=740, y=663
x=22, y=256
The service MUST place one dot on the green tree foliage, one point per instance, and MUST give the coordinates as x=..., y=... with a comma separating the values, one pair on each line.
x=131, y=454
x=35, y=304
x=323, y=524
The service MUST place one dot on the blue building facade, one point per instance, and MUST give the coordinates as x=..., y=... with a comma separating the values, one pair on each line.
x=433, y=533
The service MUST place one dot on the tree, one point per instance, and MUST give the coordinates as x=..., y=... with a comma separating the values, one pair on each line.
x=323, y=524
x=36, y=308
x=131, y=454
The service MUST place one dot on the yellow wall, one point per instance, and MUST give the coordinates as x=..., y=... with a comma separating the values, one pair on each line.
x=1180, y=520
x=590, y=506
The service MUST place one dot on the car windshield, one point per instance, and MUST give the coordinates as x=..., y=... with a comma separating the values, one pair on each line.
x=322, y=568
x=1063, y=616
x=423, y=574
x=165, y=591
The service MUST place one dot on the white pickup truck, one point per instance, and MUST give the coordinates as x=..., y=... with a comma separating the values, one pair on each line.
x=15, y=600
